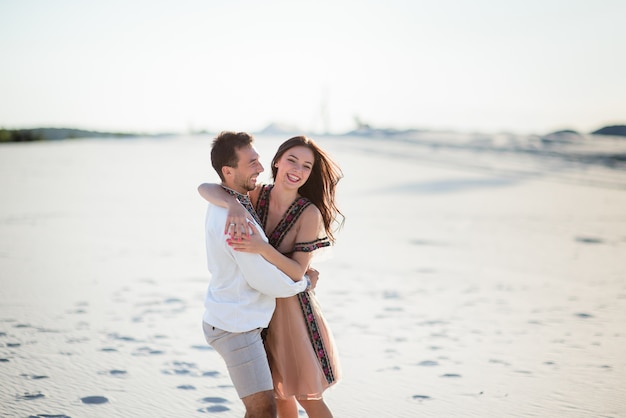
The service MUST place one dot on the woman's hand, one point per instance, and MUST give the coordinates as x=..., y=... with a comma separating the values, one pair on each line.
x=313, y=276
x=250, y=243
x=237, y=221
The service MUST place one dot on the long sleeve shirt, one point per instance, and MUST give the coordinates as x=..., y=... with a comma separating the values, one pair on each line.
x=243, y=287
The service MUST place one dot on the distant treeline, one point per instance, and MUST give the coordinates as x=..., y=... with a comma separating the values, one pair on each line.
x=46, y=134
x=619, y=130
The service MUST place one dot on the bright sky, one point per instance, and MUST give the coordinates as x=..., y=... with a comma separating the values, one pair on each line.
x=152, y=66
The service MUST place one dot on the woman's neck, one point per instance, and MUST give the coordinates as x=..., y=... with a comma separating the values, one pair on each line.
x=282, y=197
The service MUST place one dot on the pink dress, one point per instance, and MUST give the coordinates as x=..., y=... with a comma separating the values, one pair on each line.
x=299, y=344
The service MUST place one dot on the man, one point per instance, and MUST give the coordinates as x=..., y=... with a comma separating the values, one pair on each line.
x=240, y=299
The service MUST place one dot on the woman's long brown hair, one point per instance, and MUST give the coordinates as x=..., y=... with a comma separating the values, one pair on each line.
x=322, y=183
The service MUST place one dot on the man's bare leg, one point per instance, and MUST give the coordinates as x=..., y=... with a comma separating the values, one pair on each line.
x=260, y=405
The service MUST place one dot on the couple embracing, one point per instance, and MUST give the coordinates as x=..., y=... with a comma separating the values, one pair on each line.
x=260, y=314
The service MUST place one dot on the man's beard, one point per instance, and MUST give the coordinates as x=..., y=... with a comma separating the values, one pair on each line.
x=248, y=185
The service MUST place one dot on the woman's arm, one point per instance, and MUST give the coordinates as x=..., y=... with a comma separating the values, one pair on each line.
x=308, y=229
x=295, y=267
x=292, y=268
x=237, y=218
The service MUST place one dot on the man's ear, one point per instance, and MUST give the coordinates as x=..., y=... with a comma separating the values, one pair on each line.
x=226, y=171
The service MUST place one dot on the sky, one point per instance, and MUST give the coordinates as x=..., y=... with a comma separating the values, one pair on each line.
x=531, y=66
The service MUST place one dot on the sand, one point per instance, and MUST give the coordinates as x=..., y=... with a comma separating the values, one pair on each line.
x=467, y=281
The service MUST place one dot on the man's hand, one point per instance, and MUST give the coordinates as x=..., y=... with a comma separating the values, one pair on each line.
x=237, y=221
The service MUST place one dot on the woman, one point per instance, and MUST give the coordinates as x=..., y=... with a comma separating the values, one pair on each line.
x=298, y=213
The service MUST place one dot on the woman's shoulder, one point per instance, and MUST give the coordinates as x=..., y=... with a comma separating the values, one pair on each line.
x=310, y=213
x=311, y=235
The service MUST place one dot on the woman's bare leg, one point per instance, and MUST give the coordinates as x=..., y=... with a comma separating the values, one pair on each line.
x=316, y=408
x=287, y=408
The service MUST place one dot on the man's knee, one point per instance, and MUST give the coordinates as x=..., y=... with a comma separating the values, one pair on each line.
x=260, y=405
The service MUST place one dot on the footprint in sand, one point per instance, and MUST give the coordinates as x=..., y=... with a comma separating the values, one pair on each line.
x=118, y=337
x=211, y=373
x=147, y=351
x=181, y=368
x=33, y=376
x=114, y=372
x=214, y=408
x=30, y=396
x=94, y=400
x=589, y=240
x=202, y=347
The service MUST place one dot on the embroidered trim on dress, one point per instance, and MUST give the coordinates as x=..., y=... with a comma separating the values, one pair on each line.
x=307, y=247
x=286, y=223
x=262, y=204
x=275, y=238
x=314, y=335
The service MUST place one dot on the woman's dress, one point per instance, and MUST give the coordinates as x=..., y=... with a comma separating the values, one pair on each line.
x=299, y=345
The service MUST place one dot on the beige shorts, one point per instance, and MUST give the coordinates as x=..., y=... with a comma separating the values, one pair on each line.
x=245, y=358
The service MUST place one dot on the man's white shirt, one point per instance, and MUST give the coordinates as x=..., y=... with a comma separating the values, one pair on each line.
x=243, y=286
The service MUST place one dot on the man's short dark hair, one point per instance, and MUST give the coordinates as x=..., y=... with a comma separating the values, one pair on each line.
x=224, y=147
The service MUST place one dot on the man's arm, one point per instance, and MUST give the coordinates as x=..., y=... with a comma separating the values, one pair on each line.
x=265, y=277
x=237, y=214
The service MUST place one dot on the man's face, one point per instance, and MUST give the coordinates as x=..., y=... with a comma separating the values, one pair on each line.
x=248, y=169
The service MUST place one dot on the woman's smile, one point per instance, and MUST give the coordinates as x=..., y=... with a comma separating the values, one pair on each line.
x=293, y=178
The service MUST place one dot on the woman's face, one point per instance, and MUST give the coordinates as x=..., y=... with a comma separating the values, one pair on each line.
x=294, y=166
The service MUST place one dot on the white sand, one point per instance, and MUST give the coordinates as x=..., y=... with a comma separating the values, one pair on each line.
x=466, y=283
